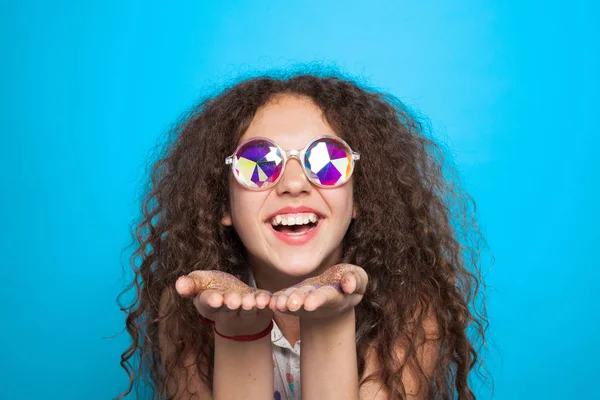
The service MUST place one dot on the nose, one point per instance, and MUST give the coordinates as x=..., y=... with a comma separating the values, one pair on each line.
x=293, y=182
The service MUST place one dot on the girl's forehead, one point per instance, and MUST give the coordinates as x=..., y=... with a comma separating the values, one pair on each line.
x=291, y=121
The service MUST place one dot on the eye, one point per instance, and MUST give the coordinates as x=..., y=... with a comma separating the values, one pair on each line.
x=258, y=163
x=328, y=161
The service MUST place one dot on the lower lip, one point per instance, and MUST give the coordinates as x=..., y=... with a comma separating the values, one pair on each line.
x=296, y=238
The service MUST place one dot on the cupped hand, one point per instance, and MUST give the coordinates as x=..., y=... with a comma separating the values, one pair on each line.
x=332, y=293
x=236, y=308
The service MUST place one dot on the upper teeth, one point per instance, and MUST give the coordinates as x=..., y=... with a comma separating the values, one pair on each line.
x=294, y=219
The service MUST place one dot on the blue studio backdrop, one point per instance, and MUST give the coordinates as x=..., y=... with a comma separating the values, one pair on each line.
x=88, y=87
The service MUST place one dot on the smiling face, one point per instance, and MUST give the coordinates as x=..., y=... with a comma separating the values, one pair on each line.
x=293, y=230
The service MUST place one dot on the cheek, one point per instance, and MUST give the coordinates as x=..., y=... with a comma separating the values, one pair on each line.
x=340, y=201
x=245, y=207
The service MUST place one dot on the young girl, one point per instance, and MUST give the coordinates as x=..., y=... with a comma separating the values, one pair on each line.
x=300, y=239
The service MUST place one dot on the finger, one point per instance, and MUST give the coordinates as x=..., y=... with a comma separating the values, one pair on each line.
x=232, y=300
x=348, y=282
x=273, y=302
x=248, y=307
x=281, y=302
x=354, y=281
x=248, y=302
x=197, y=281
x=321, y=296
x=297, y=297
x=186, y=286
x=209, y=302
x=295, y=301
x=262, y=299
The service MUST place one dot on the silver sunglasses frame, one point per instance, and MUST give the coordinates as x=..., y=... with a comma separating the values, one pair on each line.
x=297, y=154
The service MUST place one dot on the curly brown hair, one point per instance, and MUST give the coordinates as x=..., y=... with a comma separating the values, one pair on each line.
x=416, y=237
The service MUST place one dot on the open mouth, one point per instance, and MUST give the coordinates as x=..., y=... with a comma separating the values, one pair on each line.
x=295, y=224
x=296, y=229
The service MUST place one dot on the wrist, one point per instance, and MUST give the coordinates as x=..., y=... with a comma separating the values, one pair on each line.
x=329, y=348
x=247, y=338
x=339, y=323
x=251, y=329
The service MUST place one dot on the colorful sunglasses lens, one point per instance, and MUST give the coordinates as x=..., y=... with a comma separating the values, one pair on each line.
x=328, y=162
x=258, y=163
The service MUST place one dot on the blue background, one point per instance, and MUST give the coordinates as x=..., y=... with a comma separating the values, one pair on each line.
x=88, y=87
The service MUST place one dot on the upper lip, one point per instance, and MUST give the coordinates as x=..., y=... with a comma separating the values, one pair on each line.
x=294, y=210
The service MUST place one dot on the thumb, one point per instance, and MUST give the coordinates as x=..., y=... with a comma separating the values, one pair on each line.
x=188, y=286
x=198, y=281
x=354, y=281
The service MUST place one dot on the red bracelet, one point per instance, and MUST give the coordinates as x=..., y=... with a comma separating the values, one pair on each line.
x=241, y=338
x=206, y=320
x=247, y=338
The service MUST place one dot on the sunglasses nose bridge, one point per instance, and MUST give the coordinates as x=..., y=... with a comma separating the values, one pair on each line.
x=293, y=154
x=289, y=154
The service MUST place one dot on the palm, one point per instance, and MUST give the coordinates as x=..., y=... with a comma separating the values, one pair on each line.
x=236, y=308
x=338, y=289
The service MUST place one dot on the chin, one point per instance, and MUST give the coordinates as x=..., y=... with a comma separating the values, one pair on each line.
x=301, y=267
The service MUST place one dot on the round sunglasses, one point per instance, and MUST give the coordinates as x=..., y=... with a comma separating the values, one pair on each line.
x=258, y=163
